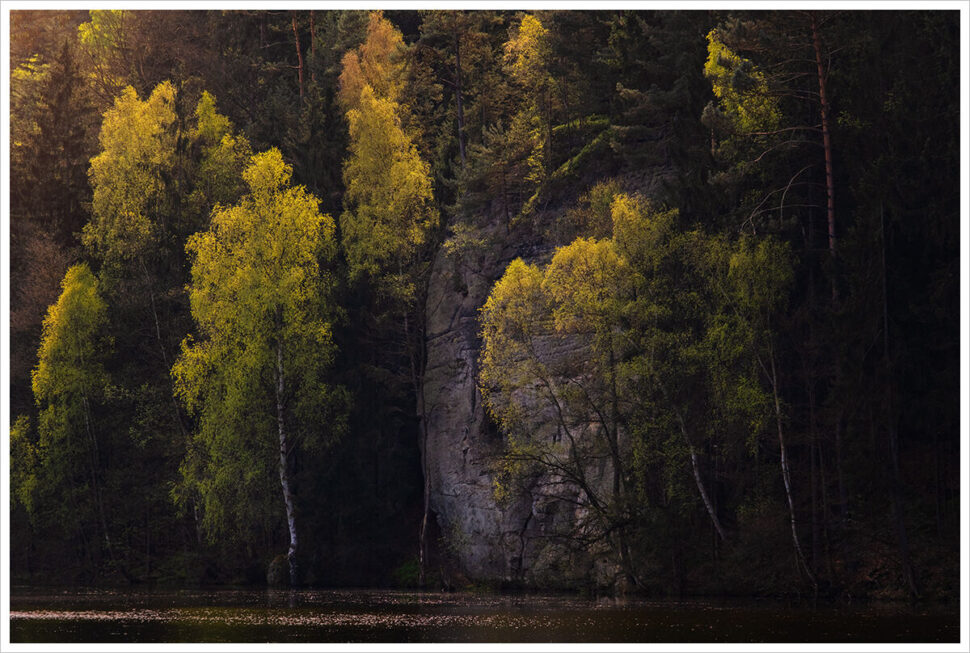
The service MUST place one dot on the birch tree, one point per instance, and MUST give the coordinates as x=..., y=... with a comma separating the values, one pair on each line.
x=68, y=382
x=256, y=378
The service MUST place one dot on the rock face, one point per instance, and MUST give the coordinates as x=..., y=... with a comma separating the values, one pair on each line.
x=490, y=542
x=461, y=442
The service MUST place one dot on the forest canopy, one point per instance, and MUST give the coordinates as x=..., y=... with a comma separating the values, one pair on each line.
x=672, y=297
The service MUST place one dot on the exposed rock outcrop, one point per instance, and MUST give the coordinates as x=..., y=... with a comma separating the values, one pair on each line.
x=462, y=443
x=492, y=542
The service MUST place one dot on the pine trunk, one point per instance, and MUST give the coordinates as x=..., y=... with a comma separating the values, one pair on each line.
x=902, y=540
x=458, y=100
x=299, y=54
x=826, y=145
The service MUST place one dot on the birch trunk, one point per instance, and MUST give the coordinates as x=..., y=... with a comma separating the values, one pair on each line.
x=697, y=477
x=786, y=473
x=285, y=467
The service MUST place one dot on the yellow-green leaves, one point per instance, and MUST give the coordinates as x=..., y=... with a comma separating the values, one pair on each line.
x=255, y=272
x=26, y=83
x=142, y=185
x=378, y=63
x=24, y=460
x=582, y=292
x=527, y=57
x=639, y=229
x=389, y=202
x=760, y=274
x=211, y=126
x=72, y=344
x=515, y=314
x=69, y=379
x=741, y=88
x=105, y=30
x=592, y=216
x=259, y=299
x=526, y=62
x=626, y=345
x=138, y=148
x=218, y=177
x=588, y=283
x=104, y=40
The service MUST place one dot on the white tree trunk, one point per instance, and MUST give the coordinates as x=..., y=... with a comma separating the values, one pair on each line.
x=786, y=474
x=285, y=468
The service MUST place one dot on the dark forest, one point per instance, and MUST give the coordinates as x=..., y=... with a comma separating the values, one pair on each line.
x=654, y=302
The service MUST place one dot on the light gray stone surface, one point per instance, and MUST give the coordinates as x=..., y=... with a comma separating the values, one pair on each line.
x=490, y=542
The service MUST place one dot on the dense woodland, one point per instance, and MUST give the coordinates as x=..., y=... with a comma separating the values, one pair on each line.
x=222, y=228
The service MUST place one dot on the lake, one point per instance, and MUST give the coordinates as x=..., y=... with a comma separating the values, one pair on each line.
x=252, y=615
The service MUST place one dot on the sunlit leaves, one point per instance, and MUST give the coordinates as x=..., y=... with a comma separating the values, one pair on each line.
x=527, y=57
x=389, y=205
x=640, y=230
x=72, y=345
x=224, y=155
x=69, y=377
x=389, y=201
x=138, y=148
x=140, y=177
x=741, y=88
x=211, y=126
x=258, y=293
x=515, y=314
x=655, y=332
x=377, y=63
x=104, y=40
x=588, y=283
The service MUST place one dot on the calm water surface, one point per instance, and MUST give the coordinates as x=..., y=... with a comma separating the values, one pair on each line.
x=226, y=615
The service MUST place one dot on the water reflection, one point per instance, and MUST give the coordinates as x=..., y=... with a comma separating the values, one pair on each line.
x=233, y=615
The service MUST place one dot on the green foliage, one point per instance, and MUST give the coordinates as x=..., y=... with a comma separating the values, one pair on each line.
x=555, y=402
x=406, y=574
x=68, y=382
x=26, y=83
x=741, y=88
x=650, y=350
x=587, y=281
x=141, y=174
x=104, y=31
x=104, y=41
x=72, y=347
x=24, y=460
x=511, y=319
x=138, y=150
x=259, y=299
x=377, y=63
x=211, y=126
x=592, y=215
x=389, y=202
x=673, y=322
x=527, y=57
